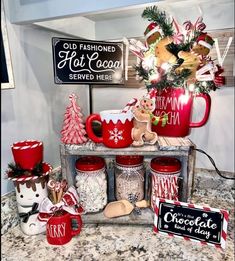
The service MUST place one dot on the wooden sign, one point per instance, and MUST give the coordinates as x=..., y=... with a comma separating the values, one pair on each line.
x=89, y=62
x=191, y=222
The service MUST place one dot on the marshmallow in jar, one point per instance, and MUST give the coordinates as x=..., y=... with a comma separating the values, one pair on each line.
x=91, y=183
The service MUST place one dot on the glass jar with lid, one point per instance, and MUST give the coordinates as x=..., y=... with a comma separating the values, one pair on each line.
x=91, y=183
x=165, y=172
x=129, y=177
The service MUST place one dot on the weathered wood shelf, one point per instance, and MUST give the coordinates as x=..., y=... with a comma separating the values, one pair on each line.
x=146, y=218
x=180, y=148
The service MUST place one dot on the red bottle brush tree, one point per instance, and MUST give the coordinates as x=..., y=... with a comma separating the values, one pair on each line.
x=73, y=131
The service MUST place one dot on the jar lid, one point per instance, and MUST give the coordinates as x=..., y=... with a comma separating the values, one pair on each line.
x=89, y=163
x=129, y=160
x=165, y=164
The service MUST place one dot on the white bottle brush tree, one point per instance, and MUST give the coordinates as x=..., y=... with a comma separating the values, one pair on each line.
x=73, y=131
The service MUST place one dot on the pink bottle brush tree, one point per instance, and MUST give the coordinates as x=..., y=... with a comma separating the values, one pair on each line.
x=73, y=131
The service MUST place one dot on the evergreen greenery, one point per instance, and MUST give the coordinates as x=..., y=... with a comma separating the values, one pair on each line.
x=153, y=14
x=16, y=171
x=170, y=77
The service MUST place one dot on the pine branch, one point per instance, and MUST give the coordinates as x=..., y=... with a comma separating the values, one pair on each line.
x=155, y=15
x=141, y=72
x=205, y=87
x=15, y=170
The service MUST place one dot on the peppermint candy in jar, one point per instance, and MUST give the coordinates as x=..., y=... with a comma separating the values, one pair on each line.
x=91, y=183
x=165, y=178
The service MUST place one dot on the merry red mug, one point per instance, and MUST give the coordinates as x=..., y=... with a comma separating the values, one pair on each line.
x=116, y=128
x=178, y=105
x=59, y=228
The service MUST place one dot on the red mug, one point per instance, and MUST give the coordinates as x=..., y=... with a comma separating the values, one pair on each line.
x=116, y=128
x=59, y=228
x=177, y=104
x=27, y=153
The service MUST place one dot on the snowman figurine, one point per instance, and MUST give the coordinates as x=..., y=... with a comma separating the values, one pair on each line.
x=29, y=194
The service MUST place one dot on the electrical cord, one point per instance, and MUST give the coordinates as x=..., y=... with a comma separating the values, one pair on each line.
x=213, y=163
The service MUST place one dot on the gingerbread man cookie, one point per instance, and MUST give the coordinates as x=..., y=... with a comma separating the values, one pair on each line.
x=152, y=33
x=162, y=54
x=141, y=132
x=203, y=44
x=191, y=62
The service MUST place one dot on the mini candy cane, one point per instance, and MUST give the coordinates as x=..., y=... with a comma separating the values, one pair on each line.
x=128, y=106
x=64, y=185
x=137, y=48
x=175, y=186
x=178, y=37
x=63, y=188
x=51, y=186
x=199, y=25
x=57, y=190
x=188, y=25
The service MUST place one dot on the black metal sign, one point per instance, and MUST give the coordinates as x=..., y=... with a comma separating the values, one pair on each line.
x=89, y=62
x=191, y=222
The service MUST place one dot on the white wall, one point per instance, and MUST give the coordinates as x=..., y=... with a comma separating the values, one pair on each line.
x=216, y=137
x=35, y=108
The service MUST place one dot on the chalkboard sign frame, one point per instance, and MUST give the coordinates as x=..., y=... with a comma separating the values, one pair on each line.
x=7, y=79
x=172, y=218
x=66, y=72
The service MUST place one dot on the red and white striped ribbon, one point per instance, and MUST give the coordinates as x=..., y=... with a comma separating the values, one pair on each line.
x=17, y=147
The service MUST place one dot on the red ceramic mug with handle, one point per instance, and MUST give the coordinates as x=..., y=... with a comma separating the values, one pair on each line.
x=178, y=105
x=59, y=228
x=116, y=128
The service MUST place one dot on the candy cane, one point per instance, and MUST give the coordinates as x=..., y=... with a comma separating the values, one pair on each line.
x=128, y=106
x=173, y=188
x=62, y=188
x=168, y=187
x=201, y=27
x=178, y=37
x=176, y=188
x=163, y=186
x=188, y=25
x=154, y=191
x=51, y=186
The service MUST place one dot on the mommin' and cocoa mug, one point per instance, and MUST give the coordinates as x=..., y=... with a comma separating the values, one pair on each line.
x=116, y=128
x=59, y=229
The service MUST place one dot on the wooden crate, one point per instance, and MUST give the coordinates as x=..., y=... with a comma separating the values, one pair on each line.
x=180, y=148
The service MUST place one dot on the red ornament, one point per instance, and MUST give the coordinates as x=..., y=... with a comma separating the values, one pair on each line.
x=73, y=131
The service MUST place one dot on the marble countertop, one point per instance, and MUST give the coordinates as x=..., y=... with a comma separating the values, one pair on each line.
x=129, y=242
